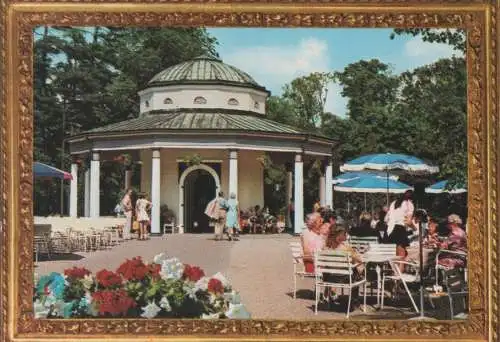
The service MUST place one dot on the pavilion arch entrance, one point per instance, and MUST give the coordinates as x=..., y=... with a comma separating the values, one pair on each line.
x=198, y=185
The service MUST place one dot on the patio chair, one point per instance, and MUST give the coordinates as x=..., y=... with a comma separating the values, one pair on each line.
x=169, y=228
x=362, y=242
x=42, y=241
x=338, y=264
x=404, y=277
x=298, y=265
x=443, y=268
x=455, y=286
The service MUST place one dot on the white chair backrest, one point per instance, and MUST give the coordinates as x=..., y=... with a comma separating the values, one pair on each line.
x=297, y=251
x=365, y=240
x=333, y=262
x=379, y=248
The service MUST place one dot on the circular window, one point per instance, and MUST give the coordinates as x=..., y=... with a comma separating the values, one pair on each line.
x=200, y=100
x=233, y=102
x=168, y=100
x=256, y=105
x=146, y=104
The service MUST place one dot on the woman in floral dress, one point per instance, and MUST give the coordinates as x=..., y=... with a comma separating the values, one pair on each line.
x=142, y=207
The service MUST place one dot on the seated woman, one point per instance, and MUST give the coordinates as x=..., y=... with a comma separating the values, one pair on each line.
x=432, y=237
x=329, y=220
x=337, y=240
x=364, y=228
x=456, y=241
x=312, y=241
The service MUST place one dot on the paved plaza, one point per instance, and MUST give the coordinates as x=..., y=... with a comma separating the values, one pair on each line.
x=258, y=266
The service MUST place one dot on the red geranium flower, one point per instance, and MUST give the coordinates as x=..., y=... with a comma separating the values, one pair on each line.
x=192, y=273
x=76, y=273
x=113, y=302
x=215, y=286
x=107, y=278
x=134, y=269
x=154, y=270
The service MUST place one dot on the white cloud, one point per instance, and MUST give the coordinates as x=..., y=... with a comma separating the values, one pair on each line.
x=275, y=66
x=421, y=53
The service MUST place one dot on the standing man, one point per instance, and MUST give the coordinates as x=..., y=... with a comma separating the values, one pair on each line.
x=128, y=211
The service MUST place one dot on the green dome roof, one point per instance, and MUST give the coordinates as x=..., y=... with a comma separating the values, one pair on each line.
x=205, y=69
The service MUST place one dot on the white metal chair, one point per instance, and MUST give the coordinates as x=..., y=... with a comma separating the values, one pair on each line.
x=380, y=251
x=336, y=263
x=404, y=277
x=298, y=265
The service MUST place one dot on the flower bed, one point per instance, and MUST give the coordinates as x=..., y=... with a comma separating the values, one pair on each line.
x=165, y=288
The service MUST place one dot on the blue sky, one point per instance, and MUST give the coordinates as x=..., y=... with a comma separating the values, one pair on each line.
x=275, y=56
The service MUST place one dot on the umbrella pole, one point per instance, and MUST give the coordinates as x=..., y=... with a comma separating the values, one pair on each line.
x=365, y=201
x=387, y=195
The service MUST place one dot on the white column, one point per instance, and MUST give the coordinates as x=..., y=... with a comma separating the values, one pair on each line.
x=329, y=184
x=86, y=197
x=155, y=192
x=322, y=188
x=128, y=179
x=95, y=190
x=298, y=224
x=73, y=191
x=233, y=173
x=289, y=189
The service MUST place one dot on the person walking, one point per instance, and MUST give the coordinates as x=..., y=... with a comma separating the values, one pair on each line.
x=400, y=212
x=216, y=211
x=142, y=207
x=128, y=210
x=232, y=217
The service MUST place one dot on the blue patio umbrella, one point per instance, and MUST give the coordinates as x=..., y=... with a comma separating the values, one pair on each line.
x=440, y=187
x=41, y=170
x=389, y=161
x=373, y=184
x=347, y=176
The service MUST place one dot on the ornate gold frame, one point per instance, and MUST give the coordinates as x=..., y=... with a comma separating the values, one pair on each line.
x=18, y=18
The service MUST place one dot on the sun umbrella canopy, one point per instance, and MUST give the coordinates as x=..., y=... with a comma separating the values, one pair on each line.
x=41, y=170
x=440, y=187
x=344, y=177
x=389, y=161
x=371, y=184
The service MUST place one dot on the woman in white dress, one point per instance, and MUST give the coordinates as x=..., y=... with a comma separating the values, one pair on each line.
x=142, y=206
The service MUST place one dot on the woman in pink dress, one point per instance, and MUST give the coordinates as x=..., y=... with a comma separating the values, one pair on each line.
x=456, y=241
x=312, y=240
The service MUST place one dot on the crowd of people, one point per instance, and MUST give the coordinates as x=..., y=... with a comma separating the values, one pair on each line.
x=397, y=224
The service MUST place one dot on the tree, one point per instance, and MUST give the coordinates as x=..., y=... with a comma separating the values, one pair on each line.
x=454, y=37
x=91, y=76
x=307, y=96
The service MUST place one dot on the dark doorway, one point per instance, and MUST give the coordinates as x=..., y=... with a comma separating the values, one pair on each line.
x=199, y=189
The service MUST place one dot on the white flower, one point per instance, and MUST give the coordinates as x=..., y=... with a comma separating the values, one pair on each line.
x=233, y=297
x=50, y=300
x=150, y=310
x=41, y=311
x=202, y=284
x=222, y=279
x=158, y=259
x=171, y=269
x=87, y=281
x=237, y=311
x=210, y=316
x=164, y=304
x=190, y=291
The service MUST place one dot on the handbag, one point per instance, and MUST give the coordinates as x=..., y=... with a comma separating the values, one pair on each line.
x=135, y=226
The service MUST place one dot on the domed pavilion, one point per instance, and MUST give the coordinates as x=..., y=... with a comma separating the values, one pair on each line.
x=216, y=112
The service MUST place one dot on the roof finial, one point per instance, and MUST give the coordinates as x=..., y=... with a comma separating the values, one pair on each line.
x=208, y=55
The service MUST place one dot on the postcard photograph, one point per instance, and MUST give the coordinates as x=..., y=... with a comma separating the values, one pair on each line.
x=250, y=173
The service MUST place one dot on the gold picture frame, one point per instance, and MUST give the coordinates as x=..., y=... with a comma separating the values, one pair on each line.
x=18, y=18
